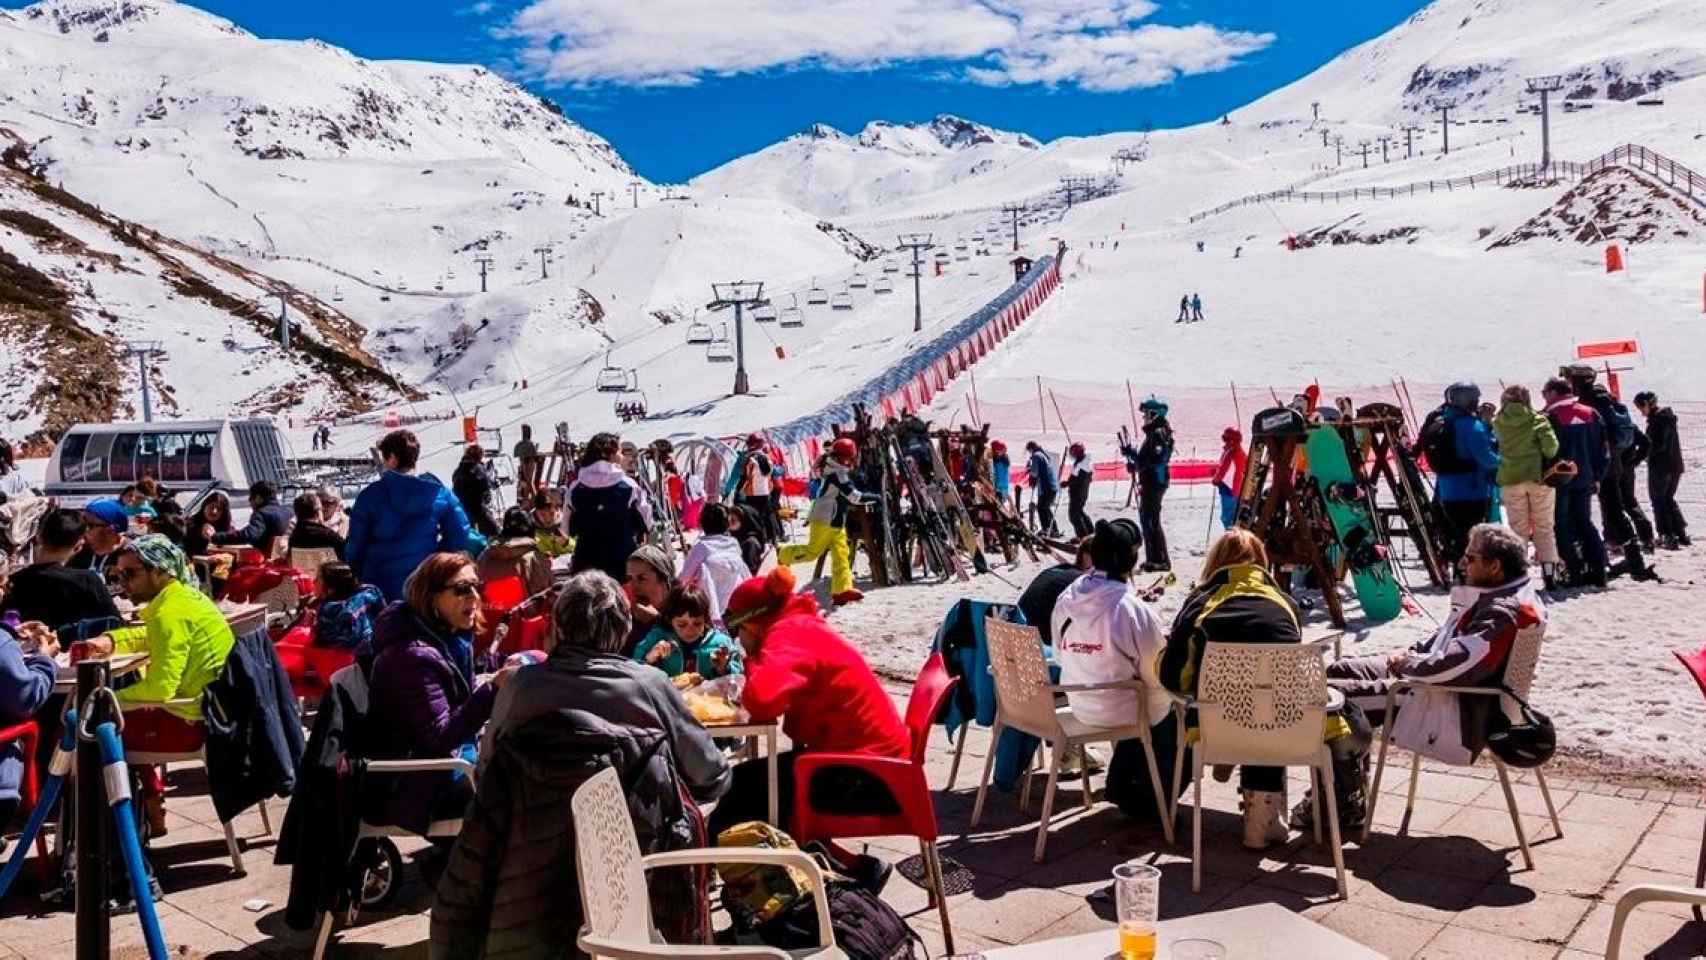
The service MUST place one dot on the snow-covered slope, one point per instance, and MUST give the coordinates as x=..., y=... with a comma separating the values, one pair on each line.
x=831, y=173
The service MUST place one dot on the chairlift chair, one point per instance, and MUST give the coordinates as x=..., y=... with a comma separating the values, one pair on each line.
x=889, y=266
x=817, y=296
x=699, y=332
x=791, y=315
x=858, y=281
x=612, y=379
x=962, y=255
x=883, y=285
x=841, y=301
x=631, y=406
x=721, y=349
x=764, y=313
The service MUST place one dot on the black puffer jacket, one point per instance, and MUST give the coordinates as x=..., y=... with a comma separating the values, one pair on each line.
x=511, y=886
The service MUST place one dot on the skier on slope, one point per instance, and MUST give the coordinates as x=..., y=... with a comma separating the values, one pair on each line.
x=826, y=525
x=1196, y=308
x=1184, y=309
x=1044, y=481
x=1229, y=475
x=1153, y=458
x=1080, y=473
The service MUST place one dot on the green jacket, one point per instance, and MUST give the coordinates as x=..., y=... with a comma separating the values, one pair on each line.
x=186, y=639
x=1526, y=441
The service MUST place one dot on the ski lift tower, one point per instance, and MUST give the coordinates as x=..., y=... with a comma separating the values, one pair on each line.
x=918, y=243
x=544, y=251
x=143, y=351
x=1545, y=86
x=634, y=189
x=1012, y=210
x=1444, y=107
x=283, y=319
x=485, y=263
x=739, y=294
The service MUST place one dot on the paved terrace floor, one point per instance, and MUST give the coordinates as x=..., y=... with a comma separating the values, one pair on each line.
x=1453, y=886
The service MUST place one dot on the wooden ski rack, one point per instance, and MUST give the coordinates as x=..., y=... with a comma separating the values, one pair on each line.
x=1290, y=517
x=1386, y=457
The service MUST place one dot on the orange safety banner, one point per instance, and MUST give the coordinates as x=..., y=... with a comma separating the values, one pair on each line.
x=1606, y=348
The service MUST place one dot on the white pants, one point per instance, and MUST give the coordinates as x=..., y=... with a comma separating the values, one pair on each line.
x=1529, y=510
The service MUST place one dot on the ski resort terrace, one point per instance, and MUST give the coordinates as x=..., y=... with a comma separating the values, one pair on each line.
x=1634, y=156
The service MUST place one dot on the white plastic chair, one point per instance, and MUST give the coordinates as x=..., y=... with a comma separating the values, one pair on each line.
x=142, y=758
x=1646, y=893
x=1024, y=701
x=613, y=883
x=1519, y=677
x=1263, y=704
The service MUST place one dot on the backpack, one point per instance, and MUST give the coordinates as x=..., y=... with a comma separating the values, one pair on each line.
x=1437, y=442
x=865, y=928
x=1619, y=426
x=763, y=464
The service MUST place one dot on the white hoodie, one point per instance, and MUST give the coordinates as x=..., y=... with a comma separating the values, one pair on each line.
x=716, y=565
x=1103, y=632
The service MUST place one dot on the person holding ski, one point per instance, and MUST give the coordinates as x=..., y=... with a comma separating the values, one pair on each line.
x=1044, y=482
x=1128, y=453
x=1229, y=474
x=1196, y=308
x=1459, y=448
x=1664, y=470
x=1153, y=458
x=1080, y=473
x=826, y=525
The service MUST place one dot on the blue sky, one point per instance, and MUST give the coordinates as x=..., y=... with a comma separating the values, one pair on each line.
x=680, y=86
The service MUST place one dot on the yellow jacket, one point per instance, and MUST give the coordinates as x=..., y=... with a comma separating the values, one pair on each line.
x=186, y=639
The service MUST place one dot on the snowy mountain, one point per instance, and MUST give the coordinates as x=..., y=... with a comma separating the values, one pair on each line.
x=1476, y=56
x=830, y=173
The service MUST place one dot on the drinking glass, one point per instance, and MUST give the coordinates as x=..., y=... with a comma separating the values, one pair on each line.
x=1198, y=950
x=1137, y=895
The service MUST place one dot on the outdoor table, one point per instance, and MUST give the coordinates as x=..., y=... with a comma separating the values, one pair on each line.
x=65, y=681
x=1258, y=931
x=754, y=732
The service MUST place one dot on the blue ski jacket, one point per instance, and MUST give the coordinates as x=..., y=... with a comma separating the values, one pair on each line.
x=1474, y=443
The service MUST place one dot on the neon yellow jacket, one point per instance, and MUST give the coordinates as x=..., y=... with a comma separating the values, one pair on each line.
x=186, y=639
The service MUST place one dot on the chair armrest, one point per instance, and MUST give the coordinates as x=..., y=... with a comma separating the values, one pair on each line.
x=1646, y=893
x=164, y=704
x=1398, y=685
x=775, y=858
x=1133, y=684
x=622, y=950
x=419, y=766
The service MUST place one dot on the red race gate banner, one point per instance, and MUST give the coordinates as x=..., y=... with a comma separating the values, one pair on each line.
x=1606, y=348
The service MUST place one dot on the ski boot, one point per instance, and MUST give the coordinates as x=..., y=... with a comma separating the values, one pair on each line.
x=846, y=597
x=1670, y=543
x=1549, y=577
x=1264, y=818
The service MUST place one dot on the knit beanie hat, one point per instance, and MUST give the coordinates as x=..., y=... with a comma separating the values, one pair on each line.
x=655, y=558
x=109, y=512
x=759, y=597
x=1115, y=545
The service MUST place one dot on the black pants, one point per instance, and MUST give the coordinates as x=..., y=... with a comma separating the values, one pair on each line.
x=1632, y=506
x=768, y=527
x=1613, y=514
x=1045, y=510
x=1460, y=517
x=1579, y=543
x=1661, y=489
x=1149, y=520
x=1075, y=503
x=1129, y=786
x=834, y=790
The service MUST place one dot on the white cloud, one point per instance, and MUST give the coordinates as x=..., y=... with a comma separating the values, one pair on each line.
x=1093, y=44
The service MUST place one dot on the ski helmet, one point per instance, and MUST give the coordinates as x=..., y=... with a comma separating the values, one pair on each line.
x=754, y=441
x=1155, y=405
x=1578, y=372
x=997, y=447
x=1527, y=744
x=1464, y=396
x=1231, y=435
x=1077, y=450
x=844, y=450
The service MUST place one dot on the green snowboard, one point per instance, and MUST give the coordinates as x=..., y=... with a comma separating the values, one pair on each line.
x=1347, y=506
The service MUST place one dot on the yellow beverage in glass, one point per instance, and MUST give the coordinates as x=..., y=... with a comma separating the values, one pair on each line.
x=1137, y=941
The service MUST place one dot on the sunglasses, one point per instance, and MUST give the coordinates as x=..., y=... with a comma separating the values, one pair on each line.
x=464, y=589
x=128, y=574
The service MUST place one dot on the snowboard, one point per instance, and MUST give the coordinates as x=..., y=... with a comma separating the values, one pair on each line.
x=1347, y=507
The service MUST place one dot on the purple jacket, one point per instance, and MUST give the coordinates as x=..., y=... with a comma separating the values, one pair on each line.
x=422, y=704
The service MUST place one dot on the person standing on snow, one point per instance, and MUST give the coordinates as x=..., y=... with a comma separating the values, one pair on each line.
x=1081, y=473
x=749, y=484
x=1153, y=458
x=609, y=512
x=1465, y=468
x=1623, y=521
x=1664, y=470
x=1196, y=307
x=1581, y=445
x=1000, y=471
x=826, y=525
x=1526, y=443
x=1045, y=485
x=1184, y=309
x=1233, y=461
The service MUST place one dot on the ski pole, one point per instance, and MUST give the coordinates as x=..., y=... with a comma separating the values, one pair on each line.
x=117, y=776
x=56, y=771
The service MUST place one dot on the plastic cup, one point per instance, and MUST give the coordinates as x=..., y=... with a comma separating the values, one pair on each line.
x=1198, y=950
x=1137, y=897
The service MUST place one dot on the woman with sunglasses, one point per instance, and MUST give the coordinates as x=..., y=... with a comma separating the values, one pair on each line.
x=425, y=701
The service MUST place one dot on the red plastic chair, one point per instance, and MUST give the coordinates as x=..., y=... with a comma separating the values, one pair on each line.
x=27, y=735
x=497, y=598
x=905, y=779
x=1695, y=664
x=525, y=627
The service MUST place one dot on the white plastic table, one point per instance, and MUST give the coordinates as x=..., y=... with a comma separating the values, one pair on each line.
x=1259, y=931
x=754, y=732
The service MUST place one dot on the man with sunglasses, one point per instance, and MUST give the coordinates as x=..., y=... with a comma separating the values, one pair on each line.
x=187, y=641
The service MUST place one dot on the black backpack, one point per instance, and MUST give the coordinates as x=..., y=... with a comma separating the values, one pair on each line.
x=1619, y=426
x=1438, y=443
x=866, y=928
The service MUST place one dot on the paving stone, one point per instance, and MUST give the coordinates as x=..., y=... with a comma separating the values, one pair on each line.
x=1682, y=822
x=1632, y=875
x=1666, y=854
x=1562, y=872
x=1462, y=857
x=1648, y=934
x=1397, y=936
x=1411, y=893
x=1523, y=913
x=1609, y=811
x=1460, y=943
x=1015, y=913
